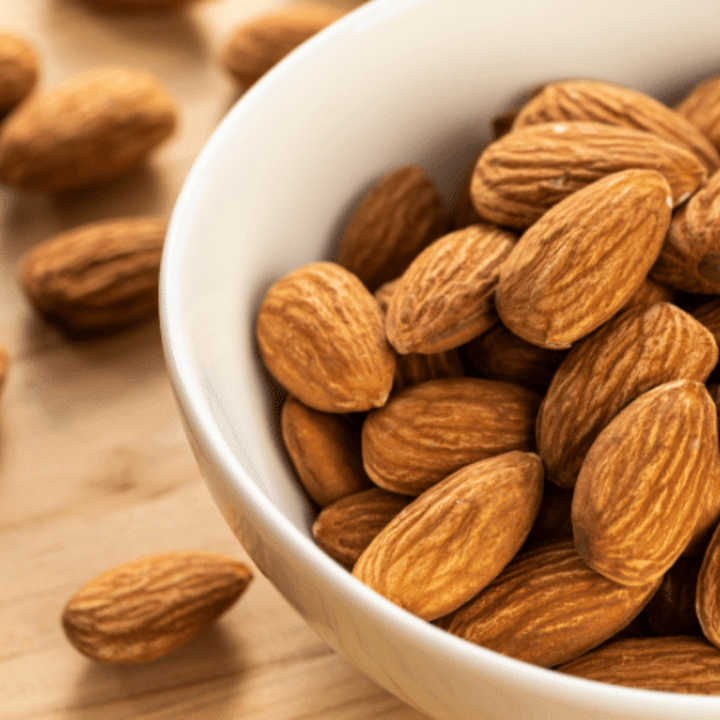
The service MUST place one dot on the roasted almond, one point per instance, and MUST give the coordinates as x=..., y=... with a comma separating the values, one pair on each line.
x=449, y=543
x=325, y=451
x=641, y=487
x=640, y=348
x=97, y=277
x=321, y=335
x=708, y=591
x=584, y=259
x=90, y=129
x=604, y=102
x=547, y=607
x=428, y=431
x=445, y=297
x=523, y=174
x=144, y=609
x=677, y=664
x=19, y=70
x=701, y=106
x=398, y=217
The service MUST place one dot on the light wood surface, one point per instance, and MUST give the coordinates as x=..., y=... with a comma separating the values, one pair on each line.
x=94, y=465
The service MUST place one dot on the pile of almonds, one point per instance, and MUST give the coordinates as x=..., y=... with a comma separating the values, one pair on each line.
x=508, y=417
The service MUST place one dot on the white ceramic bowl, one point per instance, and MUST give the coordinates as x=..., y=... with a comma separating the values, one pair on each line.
x=396, y=81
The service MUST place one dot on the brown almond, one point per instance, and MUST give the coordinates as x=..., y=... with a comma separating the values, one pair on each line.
x=641, y=487
x=701, y=106
x=144, y=609
x=345, y=528
x=522, y=175
x=321, y=335
x=604, y=102
x=97, y=277
x=449, y=543
x=445, y=298
x=397, y=218
x=19, y=70
x=325, y=451
x=583, y=260
x=428, y=431
x=678, y=664
x=639, y=349
x=708, y=590
x=260, y=43
x=90, y=129
x=690, y=256
x=547, y=607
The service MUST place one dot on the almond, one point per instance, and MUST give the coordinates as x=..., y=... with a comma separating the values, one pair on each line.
x=345, y=528
x=640, y=348
x=19, y=70
x=397, y=218
x=449, y=543
x=604, y=102
x=583, y=260
x=701, y=106
x=260, y=43
x=90, y=129
x=690, y=256
x=445, y=297
x=325, y=451
x=428, y=431
x=708, y=591
x=522, y=175
x=677, y=664
x=321, y=335
x=144, y=609
x=641, y=487
x=547, y=607
x=97, y=277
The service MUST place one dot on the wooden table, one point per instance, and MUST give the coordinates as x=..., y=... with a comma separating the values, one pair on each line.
x=95, y=469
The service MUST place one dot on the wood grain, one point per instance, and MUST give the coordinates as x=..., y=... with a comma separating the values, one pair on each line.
x=95, y=469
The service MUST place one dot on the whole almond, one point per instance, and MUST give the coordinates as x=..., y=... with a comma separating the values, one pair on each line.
x=640, y=348
x=397, y=218
x=97, y=277
x=325, y=451
x=523, y=174
x=641, y=487
x=448, y=544
x=679, y=664
x=708, y=591
x=445, y=298
x=260, y=43
x=144, y=609
x=90, y=129
x=583, y=260
x=428, y=431
x=321, y=335
x=604, y=102
x=690, y=256
x=701, y=106
x=345, y=528
x=19, y=70
x=547, y=607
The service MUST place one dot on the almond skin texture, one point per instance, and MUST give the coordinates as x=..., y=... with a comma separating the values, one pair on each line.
x=428, y=431
x=88, y=130
x=679, y=664
x=701, y=106
x=146, y=608
x=690, y=256
x=321, y=335
x=345, y=528
x=522, y=175
x=325, y=451
x=448, y=544
x=639, y=349
x=547, y=607
x=641, y=488
x=260, y=43
x=604, y=102
x=19, y=70
x=396, y=219
x=708, y=591
x=445, y=298
x=97, y=277
x=583, y=260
